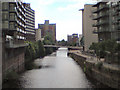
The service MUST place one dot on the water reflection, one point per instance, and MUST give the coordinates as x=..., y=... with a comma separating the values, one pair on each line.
x=58, y=71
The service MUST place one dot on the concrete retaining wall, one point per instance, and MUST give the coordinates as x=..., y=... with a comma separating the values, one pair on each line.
x=106, y=76
x=13, y=61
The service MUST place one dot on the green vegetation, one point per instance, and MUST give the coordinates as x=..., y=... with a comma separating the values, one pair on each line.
x=48, y=40
x=102, y=48
x=33, y=51
x=48, y=51
x=62, y=43
x=107, y=49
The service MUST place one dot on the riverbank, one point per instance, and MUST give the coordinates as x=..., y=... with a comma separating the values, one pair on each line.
x=58, y=71
x=107, y=74
x=11, y=80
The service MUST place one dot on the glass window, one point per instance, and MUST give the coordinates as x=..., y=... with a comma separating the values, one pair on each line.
x=12, y=16
x=12, y=7
x=5, y=6
x=12, y=26
x=5, y=24
x=5, y=15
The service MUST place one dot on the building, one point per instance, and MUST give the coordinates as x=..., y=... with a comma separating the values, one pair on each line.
x=30, y=23
x=48, y=29
x=88, y=31
x=13, y=36
x=80, y=37
x=73, y=39
x=38, y=35
x=69, y=39
x=108, y=20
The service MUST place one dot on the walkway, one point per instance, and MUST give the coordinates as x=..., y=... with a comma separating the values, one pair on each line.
x=95, y=60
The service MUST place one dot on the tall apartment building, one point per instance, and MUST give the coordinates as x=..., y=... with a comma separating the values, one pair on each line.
x=88, y=31
x=48, y=29
x=13, y=36
x=30, y=23
x=108, y=20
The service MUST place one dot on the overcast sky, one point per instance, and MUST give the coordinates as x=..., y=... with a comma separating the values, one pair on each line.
x=62, y=12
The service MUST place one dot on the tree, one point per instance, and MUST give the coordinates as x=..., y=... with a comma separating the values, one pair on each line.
x=41, y=49
x=48, y=40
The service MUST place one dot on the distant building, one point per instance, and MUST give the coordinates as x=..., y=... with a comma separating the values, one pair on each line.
x=69, y=39
x=88, y=31
x=38, y=35
x=73, y=39
x=30, y=23
x=48, y=29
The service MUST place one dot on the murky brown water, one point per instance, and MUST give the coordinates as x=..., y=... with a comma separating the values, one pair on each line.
x=57, y=71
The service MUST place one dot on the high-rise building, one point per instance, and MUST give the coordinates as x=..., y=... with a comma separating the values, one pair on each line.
x=30, y=23
x=108, y=20
x=88, y=31
x=48, y=29
x=13, y=35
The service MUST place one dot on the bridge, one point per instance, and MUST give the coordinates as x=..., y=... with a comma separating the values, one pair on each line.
x=69, y=47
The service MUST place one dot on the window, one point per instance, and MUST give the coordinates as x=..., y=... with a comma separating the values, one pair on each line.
x=12, y=16
x=5, y=24
x=12, y=26
x=5, y=15
x=12, y=7
x=5, y=6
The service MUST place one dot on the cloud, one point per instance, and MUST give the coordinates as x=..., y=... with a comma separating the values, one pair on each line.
x=75, y=4
x=46, y=2
x=71, y=7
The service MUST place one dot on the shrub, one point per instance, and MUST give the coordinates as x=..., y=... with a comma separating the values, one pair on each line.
x=32, y=52
x=99, y=65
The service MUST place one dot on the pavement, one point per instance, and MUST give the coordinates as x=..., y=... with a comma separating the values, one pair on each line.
x=95, y=60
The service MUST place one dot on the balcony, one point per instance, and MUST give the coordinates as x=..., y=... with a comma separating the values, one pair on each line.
x=100, y=8
x=103, y=30
x=95, y=24
x=100, y=16
x=95, y=31
x=100, y=23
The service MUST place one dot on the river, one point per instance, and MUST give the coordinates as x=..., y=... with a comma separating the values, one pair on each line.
x=57, y=71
